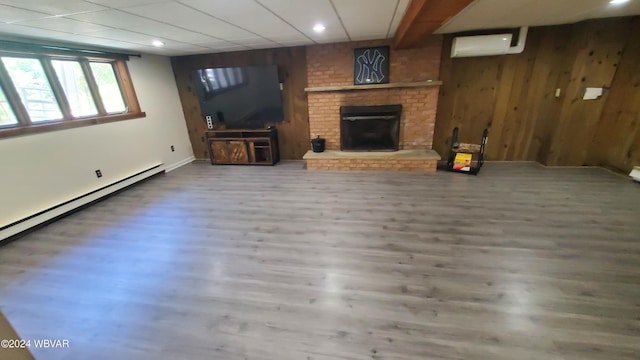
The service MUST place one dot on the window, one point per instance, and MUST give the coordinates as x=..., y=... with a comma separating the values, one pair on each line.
x=76, y=87
x=108, y=85
x=6, y=113
x=33, y=88
x=45, y=90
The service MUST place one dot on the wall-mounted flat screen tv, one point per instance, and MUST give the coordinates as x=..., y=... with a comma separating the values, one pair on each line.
x=240, y=97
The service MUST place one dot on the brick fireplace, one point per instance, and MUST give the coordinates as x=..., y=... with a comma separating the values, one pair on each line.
x=330, y=68
x=370, y=128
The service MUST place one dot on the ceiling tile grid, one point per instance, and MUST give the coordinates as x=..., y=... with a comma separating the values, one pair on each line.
x=55, y=8
x=247, y=15
x=63, y=24
x=363, y=22
x=199, y=26
x=303, y=15
x=9, y=14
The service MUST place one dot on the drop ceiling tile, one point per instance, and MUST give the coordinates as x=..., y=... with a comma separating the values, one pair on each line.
x=57, y=7
x=292, y=37
x=185, y=47
x=330, y=39
x=263, y=46
x=215, y=44
x=131, y=37
x=226, y=47
x=92, y=41
x=172, y=33
x=246, y=14
x=167, y=52
x=289, y=43
x=400, y=11
x=123, y=3
x=187, y=18
x=144, y=49
x=305, y=14
x=298, y=37
x=64, y=25
x=255, y=42
x=366, y=19
x=10, y=14
x=231, y=48
x=288, y=38
x=19, y=30
x=181, y=49
x=113, y=43
x=114, y=18
x=373, y=36
x=205, y=51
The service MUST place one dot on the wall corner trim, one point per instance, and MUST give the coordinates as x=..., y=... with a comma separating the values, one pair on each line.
x=180, y=163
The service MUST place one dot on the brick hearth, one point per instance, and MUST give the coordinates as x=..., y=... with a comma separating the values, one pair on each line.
x=403, y=160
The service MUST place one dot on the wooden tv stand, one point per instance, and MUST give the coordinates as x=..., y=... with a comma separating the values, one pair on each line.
x=243, y=146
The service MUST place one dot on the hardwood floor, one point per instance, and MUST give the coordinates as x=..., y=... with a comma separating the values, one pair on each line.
x=520, y=262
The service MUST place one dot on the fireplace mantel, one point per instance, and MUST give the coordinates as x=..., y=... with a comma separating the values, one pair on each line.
x=375, y=86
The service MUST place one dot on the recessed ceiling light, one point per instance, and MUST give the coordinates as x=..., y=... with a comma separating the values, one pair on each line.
x=505, y=39
x=318, y=28
x=618, y=2
x=157, y=43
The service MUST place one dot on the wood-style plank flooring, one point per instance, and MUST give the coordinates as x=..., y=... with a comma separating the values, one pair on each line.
x=277, y=263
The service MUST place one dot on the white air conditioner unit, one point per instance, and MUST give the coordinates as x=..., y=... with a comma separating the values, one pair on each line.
x=482, y=45
x=487, y=45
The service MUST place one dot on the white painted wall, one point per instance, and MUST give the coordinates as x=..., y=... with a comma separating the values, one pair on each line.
x=43, y=170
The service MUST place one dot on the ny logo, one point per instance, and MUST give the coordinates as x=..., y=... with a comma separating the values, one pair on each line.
x=370, y=69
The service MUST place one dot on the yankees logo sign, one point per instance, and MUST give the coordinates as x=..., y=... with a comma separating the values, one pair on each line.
x=371, y=66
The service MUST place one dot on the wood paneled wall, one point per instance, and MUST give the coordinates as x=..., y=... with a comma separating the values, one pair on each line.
x=617, y=136
x=514, y=95
x=293, y=132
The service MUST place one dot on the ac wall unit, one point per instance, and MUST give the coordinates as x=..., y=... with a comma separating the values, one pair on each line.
x=481, y=45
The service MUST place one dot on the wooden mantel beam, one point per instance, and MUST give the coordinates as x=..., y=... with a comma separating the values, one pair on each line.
x=423, y=17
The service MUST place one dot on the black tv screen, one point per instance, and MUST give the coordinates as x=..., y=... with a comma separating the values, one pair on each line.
x=240, y=97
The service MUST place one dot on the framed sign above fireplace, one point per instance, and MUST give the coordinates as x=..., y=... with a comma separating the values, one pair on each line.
x=371, y=65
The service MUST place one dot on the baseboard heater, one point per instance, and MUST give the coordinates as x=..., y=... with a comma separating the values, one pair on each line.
x=23, y=226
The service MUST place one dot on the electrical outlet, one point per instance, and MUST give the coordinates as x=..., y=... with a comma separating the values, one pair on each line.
x=209, y=122
x=172, y=148
x=99, y=173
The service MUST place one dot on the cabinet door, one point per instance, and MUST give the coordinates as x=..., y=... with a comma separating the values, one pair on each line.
x=229, y=152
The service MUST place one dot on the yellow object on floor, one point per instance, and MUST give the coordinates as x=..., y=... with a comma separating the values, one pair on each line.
x=462, y=162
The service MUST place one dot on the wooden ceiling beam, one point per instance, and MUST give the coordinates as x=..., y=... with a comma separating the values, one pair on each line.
x=423, y=17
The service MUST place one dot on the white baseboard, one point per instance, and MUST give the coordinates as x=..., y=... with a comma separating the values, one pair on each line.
x=47, y=215
x=184, y=162
x=635, y=173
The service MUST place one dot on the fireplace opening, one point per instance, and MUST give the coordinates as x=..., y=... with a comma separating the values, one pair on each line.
x=370, y=128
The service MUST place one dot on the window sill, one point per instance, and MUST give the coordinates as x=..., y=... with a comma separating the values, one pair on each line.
x=19, y=130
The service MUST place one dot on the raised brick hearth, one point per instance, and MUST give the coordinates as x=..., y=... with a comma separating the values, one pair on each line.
x=402, y=160
x=332, y=65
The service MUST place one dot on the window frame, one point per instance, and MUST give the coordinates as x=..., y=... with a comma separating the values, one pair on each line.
x=26, y=126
